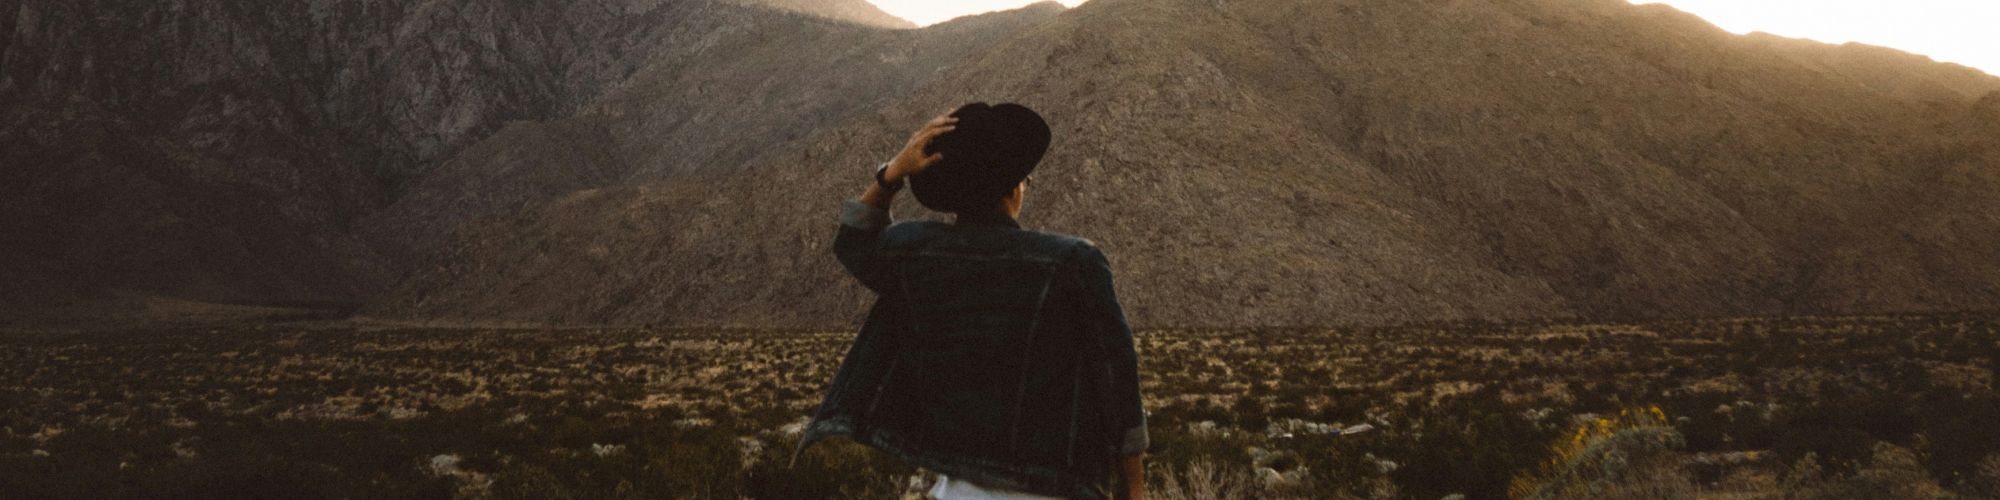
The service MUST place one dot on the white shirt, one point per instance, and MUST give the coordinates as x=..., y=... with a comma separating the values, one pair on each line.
x=952, y=489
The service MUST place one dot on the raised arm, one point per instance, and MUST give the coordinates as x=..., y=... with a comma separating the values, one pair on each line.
x=908, y=162
x=863, y=219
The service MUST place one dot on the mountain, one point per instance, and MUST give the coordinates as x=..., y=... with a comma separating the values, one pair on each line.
x=1244, y=162
x=1279, y=162
x=856, y=11
x=760, y=86
x=233, y=151
x=1907, y=76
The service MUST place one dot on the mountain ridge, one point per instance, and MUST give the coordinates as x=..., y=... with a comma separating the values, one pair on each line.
x=1482, y=160
x=1246, y=163
x=857, y=11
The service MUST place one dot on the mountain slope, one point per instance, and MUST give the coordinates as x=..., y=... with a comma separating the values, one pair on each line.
x=228, y=151
x=759, y=86
x=1273, y=162
x=1901, y=74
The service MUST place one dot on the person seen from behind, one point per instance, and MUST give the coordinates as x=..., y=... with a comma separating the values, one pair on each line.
x=994, y=356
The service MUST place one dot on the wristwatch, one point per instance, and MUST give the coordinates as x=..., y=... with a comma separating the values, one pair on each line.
x=881, y=179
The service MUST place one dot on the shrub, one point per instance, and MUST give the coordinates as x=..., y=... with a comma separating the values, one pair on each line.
x=1985, y=479
x=1890, y=472
x=1200, y=480
x=1470, y=444
x=1632, y=455
x=836, y=468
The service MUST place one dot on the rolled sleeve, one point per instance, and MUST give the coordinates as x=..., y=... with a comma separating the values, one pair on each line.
x=858, y=215
x=858, y=243
x=1135, y=441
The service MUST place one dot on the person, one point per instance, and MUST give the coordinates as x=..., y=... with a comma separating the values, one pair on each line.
x=994, y=356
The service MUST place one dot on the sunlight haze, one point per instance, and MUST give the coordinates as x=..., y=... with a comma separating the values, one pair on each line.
x=929, y=12
x=1955, y=31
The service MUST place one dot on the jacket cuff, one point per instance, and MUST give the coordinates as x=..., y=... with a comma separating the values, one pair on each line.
x=1135, y=441
x=858, y=215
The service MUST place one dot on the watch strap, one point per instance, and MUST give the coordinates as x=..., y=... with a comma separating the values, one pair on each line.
x=881, y=179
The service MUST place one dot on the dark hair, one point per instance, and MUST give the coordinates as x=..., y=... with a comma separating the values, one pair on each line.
x=993, y=149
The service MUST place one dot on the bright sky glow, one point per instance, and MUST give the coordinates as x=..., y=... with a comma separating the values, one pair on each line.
x=929, y=12
x=1960, y=31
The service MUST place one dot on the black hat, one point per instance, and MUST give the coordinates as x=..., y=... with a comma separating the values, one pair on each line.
x=992, y=150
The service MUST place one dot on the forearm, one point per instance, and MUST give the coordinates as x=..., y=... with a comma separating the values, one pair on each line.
x=1132, y=472
x=864, y=219
x=877, y=197
x=881, y=197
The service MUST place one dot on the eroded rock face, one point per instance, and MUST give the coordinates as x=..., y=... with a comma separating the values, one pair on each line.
x=414, y=80
x=224, y=150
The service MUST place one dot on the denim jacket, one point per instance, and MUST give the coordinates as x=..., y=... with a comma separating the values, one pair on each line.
x=992, y=354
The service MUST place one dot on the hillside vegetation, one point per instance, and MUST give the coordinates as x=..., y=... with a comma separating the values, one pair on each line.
x=1794, y=408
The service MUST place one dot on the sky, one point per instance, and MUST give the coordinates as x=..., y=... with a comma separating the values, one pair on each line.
x=1960, y=31
x=928, y=12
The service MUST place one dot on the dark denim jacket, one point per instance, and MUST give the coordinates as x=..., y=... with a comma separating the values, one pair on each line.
x=993, y=355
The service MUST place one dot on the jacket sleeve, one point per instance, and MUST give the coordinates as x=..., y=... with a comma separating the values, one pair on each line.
x=1117, y=372
x=858, y=245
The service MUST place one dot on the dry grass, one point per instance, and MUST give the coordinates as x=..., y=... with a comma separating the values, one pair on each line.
x=1458, y=408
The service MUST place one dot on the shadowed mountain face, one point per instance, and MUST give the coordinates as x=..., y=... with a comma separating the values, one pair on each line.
x=229, y=150
x=762, y=86
x=1250, y=162
x=1285, y=162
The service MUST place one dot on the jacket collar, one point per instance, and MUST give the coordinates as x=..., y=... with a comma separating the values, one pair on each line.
x=987, y=219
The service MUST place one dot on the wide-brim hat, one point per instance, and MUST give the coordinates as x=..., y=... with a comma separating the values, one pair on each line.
x=992, y=150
